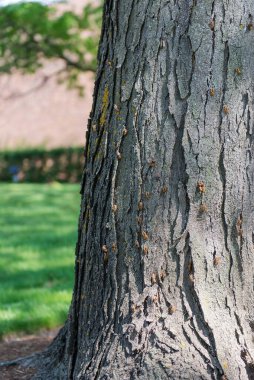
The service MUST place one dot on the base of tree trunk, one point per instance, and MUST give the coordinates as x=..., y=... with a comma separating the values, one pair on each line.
x=165, y=253
x=160, y=356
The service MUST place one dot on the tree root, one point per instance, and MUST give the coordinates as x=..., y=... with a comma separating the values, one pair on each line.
x=25, y=361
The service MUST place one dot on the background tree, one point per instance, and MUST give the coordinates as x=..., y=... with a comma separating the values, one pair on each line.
x=32, y=33
x=164, y=259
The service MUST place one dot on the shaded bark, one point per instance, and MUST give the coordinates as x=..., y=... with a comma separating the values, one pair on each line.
x=164, y=260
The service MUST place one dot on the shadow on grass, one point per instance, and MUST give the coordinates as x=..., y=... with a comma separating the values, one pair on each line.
x=34, y=299
x=38, y=237
x=61, y=276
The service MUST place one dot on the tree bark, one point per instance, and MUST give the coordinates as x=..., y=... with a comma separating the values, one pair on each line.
x=165, y=255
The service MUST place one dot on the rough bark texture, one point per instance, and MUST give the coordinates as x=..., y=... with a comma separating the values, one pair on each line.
x=165, y=256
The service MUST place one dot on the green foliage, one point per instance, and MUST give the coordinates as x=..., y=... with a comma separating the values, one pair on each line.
x=38, y=235
x=32, y=32
x=40, y=165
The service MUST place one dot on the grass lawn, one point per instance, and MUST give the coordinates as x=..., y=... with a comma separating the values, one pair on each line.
x=38, y=230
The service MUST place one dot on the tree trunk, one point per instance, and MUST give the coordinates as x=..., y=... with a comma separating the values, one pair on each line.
x=165, y=254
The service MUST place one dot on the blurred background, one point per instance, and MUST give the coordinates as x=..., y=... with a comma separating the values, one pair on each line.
x=47, y=67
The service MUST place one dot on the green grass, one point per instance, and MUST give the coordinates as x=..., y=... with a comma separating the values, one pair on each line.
x=38, y=230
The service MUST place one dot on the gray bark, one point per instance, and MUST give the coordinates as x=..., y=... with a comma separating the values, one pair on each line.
x=165, y=255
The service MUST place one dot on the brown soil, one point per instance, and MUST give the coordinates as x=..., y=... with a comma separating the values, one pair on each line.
x=15, y=347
